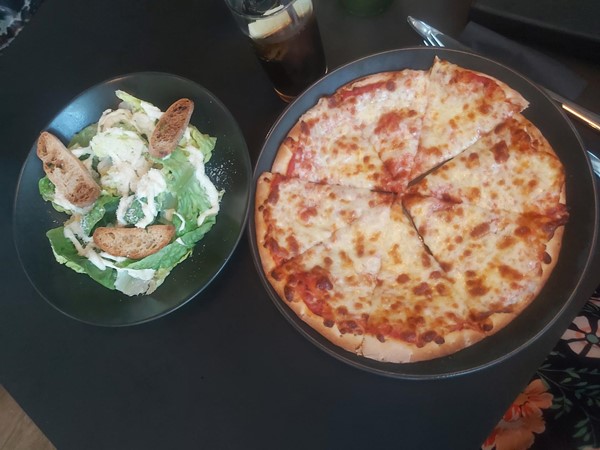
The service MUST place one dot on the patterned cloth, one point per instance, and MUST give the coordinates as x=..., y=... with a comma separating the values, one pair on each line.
x=560, y=408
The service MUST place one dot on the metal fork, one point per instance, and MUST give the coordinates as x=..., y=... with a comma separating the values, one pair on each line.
x=432, y=41
x=435, y=42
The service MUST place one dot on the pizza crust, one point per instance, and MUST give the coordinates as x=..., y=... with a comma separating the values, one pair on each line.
x=347, y=341
x=285, y=153
x=397, y=351
x=263, y=188
x=350, y=342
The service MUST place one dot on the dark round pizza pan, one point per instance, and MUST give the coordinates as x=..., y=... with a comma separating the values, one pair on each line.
x=563, y=290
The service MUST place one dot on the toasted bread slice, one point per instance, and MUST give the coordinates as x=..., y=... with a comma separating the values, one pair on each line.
x=66, y=171
x=170, y=128
x=134, y=243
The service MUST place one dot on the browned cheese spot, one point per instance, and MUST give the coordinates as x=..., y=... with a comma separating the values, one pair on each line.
x=487, y=325
x=342, y=310
x=349, y=326
x=532, y=184
x=480, y=230
x=423, y=289
x=402, y=278
x=425, y=261
x=472, y=160
x=476, y=287
x=546, y=258
x=523, y=231
x=408, y=336
x=446, y=266
x=484, y=107
x=288, y=292
x=307, y=213
x=510, y=273
x=324, y=284
x=506, y=242
x=474, y=194
x=293, y=244
x=441, y=289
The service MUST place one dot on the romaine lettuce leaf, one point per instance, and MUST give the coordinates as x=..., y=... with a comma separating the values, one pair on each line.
x=191, y=197
x=47, y=190
x=83, y=138
x=138, y=105
x=103, y=212
x=202, y=142
x=66, y=253
x=134, y=102
x=134, y=213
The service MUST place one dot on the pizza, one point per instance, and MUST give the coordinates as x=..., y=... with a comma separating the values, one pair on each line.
x=411, y=213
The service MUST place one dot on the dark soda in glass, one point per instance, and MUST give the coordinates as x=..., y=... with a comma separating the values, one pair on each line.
x=292, y=55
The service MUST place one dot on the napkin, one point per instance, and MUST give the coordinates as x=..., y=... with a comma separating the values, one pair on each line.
x=530, y=62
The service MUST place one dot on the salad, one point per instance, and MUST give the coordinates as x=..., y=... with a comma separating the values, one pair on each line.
x=136, y=190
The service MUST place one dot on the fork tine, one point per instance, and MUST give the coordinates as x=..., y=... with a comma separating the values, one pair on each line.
x=435, y=40
x=427, y=43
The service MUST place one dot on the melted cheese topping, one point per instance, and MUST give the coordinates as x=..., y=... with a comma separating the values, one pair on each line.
x=496, y=255
x=303, y=213
x=503, y=166
x=462, y=105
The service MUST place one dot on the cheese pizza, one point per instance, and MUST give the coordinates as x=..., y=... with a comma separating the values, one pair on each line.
x=411, y=214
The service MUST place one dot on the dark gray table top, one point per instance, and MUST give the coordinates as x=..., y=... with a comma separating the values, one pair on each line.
x=226, y=371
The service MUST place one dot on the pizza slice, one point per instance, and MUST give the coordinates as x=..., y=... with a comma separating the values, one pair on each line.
x=292, y=215
x=501, y=259
x=417, y=312
x=341, y=157
x=389, y=108
x=462, y=105
x=364, y=135
x=330, y=286
x=510, y=168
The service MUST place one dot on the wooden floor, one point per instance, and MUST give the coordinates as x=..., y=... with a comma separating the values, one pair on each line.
x=17, y=431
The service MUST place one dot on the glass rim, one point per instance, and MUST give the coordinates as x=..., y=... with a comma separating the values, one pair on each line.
x=244, y=15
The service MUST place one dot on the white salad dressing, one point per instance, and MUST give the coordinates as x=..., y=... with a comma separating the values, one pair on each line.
x=149, y=186
x=196, y=158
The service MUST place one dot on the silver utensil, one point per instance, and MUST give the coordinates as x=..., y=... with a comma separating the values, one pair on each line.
x=435, y=38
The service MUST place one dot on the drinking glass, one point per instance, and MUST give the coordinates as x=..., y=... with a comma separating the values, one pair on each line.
x=286, y=39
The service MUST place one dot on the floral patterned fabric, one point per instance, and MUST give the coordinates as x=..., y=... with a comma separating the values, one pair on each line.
x=560, y=408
